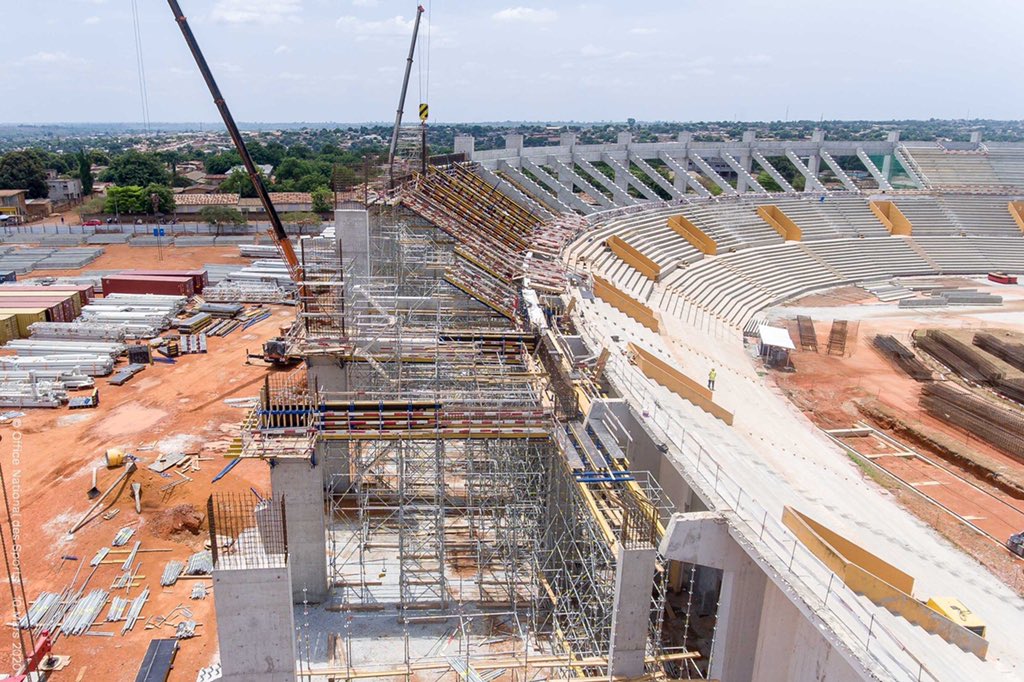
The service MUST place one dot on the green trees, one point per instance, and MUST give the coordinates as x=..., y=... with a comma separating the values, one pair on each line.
x=135, y=199
x=23, y=170
x=323, y=200
x=221, y=215
x=218, y=164
x=239, y=183
x=136, y=169
x=84, y=171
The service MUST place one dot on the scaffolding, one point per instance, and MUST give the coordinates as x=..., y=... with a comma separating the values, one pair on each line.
x=449, y=493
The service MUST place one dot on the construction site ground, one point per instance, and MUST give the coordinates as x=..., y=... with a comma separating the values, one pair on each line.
x=968, y=477
x=48, y=456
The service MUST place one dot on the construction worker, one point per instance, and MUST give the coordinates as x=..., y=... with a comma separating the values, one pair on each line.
x=711, y=378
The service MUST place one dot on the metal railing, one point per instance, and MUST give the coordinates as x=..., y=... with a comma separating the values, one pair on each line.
x=822, y=590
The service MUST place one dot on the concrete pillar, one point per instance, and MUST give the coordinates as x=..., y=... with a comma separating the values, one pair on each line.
x=255, y=624
x=894, y=137
x=814, y=161
x=465, y=144
x=738, y=625
x=749, y=136
x=352, y=229
x=301, y=484
x=703, y=538
x=514, y=141
x=679, y=181
x=623, y=139
x=567, y=140
x=976, y=137
x=634, y=580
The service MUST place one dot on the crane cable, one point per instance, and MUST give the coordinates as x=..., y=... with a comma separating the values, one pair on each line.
x=140, y=64
x=423, y=63
x=16, y=552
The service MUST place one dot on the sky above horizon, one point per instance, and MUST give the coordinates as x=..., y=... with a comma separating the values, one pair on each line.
x=497, y=60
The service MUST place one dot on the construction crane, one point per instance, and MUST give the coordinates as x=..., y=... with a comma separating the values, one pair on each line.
x=401, y=98
x=272, y=348
x=277, y=231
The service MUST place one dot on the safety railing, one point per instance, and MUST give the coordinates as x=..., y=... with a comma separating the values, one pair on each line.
x=831, y=599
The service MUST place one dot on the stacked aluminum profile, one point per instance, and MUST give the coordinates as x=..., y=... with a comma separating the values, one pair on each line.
x=84, y=613
x=77, y=331
x=32, y=392
x=39, y=347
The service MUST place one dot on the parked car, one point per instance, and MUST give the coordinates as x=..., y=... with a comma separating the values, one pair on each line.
x=91, y=223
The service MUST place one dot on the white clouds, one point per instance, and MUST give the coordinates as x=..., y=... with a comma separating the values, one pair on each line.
x=91, y=21
x=590, y=50
x=365, y=3
x=753, y=60
x=395, y=26
x=282, y=49
x=265, y=12
x=642, y=31
x=527, y=15
x=51, y=58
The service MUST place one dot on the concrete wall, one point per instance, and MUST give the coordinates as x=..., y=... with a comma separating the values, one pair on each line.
x=255, y=624
x=792, y=648
x=760, y=633
x=301, y=484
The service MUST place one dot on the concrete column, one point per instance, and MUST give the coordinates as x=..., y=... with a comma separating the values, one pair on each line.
x=301, y=484
x=976, y=137
x=749, y=136
x=894, y=137
x=814, y=161
x=634, y=580
x=624, y=139
x=352, y=229
x=465, y=144
x=738, y=625
x=567, y=140
x=680, y=181
x=513, y=141
x=703, y=538
x=255, y=624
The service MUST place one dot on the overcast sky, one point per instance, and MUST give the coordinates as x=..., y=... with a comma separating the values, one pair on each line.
x=342, y=60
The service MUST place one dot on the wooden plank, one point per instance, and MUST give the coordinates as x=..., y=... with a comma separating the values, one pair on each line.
x=699, y=239
x=622, y=301
x=686, y=388
x=634, y=258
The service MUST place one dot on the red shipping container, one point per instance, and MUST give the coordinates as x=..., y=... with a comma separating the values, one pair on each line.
x=57, y=309
x=199, y=277
x=137, y=284
x=84, y=292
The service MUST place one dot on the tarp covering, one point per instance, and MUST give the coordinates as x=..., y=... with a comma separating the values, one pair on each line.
x=775, y=336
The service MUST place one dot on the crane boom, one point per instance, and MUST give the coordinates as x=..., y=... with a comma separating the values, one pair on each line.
x=401, y=98
x=277, y=228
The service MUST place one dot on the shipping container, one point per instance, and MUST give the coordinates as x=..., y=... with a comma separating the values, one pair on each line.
x=199, y=277
x=8, y=276
x=137, y=284
x=8, y=328
x=25, y=317
x=74, y=303
x=85, y=292
x=56, y=310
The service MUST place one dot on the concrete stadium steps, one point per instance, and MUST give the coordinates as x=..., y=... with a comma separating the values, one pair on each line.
x=860, y=259
x=622, y=275
x=953, y=169
x=831, y=218
x=928, y=216
x=981, y=215
x=1005, y=253
x=651, y=235
x=732, y=225
x=954, y=255
x=1008, y=164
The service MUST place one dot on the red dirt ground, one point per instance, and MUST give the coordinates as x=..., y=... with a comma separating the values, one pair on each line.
x=827, y=389
x=181, y=405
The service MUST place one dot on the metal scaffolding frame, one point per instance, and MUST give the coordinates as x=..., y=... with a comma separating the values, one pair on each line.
x=447, y=493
